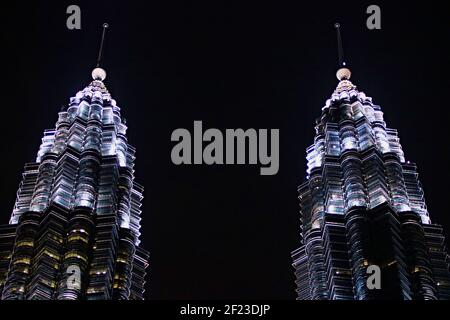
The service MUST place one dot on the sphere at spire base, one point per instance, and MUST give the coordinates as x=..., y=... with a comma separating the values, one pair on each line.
x=343, y=74
x=98, y=74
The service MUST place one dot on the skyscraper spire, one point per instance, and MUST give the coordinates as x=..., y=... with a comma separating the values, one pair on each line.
x=100, y=50
x=99, y=73
x=343, y=72
x=339, y=43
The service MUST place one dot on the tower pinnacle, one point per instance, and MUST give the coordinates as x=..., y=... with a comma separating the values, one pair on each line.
x=343, y=72
x=99, y=73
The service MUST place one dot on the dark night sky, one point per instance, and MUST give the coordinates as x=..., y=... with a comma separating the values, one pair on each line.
x=219, y=232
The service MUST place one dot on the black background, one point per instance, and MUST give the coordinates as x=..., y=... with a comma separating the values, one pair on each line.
x=225, y=232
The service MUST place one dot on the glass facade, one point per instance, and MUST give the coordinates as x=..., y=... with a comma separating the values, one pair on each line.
x=362, y=204
x=75, y=227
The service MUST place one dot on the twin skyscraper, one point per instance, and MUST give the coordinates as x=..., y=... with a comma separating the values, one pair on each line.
x=74, y=230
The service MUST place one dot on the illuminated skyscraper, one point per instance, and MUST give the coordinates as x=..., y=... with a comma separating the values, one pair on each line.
x=361, y=205
x=74, y=231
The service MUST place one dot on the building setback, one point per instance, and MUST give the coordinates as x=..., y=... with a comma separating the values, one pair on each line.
x=74, y=230
x=361, y=205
